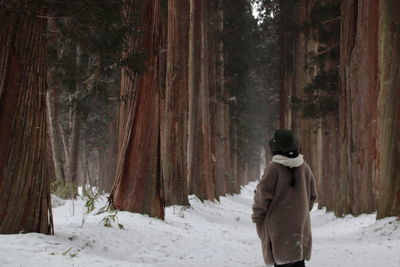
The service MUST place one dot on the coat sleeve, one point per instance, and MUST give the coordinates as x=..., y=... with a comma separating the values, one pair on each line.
x=313, y=190
x=264, y=194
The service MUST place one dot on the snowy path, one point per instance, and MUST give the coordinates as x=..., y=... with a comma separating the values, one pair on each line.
x=208, y=234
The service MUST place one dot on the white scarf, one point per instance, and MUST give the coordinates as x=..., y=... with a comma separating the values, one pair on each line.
x=288, y=162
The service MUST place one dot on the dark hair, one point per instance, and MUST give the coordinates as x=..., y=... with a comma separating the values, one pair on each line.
x=293, y=178
x=289, y=154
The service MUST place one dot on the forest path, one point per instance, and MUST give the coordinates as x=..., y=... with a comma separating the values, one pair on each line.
x=209, y=234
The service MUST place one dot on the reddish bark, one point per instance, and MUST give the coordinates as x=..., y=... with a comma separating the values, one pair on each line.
x=24, y=183
x=358, y=106
x=138, y=184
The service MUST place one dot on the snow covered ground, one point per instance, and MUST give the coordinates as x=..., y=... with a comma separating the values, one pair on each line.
x=207, y=234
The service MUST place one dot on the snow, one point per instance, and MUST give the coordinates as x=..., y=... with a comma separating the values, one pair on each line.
x=206, y=234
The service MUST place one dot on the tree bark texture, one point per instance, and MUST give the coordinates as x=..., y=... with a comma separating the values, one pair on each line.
x=389, y=109
x=24, y=183
x=72, y=162
x=175, y=121
x=54, y=135
x=218, y=101
x=328, y=186
x=358, y=106
x=288, y=43
x=200, y=172
x=234, y=181
x=138, y=184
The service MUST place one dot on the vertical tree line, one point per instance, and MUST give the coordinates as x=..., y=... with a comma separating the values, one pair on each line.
x=187, y=129
x=148, y=100
x=338, y=89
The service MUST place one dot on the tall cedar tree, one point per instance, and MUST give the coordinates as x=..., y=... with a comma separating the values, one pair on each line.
x=138, y=184
x=358, y=107
x=389, y=108
x=199, y=158
x=174, y=119
x=24, y=180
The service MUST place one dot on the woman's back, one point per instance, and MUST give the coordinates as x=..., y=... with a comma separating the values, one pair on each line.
x=282, y=202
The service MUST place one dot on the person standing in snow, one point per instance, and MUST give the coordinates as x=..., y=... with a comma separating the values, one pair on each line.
x=282, y=203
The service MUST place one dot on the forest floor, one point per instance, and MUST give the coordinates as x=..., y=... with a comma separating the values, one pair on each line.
x=206, y=234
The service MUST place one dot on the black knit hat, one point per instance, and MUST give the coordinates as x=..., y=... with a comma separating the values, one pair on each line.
x=283, y=142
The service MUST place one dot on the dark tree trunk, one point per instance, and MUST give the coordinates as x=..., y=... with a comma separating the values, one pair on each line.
x=200, y=174
x=389, y=109
x=328, y=187
x=175, y=121
x=72, y=165
x=108, y=157
x=358, y=106
x=218, y=100
x=205, y=105
x=194, y=135
x=24, y=183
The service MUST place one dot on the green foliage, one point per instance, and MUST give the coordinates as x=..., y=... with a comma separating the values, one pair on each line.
x=91, y=197
x=68, y=252
x=325, y=18
x=110, y=220
x=64, y=189
x=324, y=81
x=321, y=96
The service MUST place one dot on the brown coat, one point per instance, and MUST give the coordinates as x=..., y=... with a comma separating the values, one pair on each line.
x=281, y=213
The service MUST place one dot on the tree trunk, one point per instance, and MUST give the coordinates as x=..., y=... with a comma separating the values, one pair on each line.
x=108, y=159
x=200, y=175
x=389, y=109
x=24, y=183
x=287, y=41
x=74, y=150
x=175, y=129
x=218, y=105
x=194, y=171
x=253, y=169
x=138, y=184
x=328, y=186
x=227, y=143
x=358, y=106
x=205, y=102
x=235, y=162
x=54, y=137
